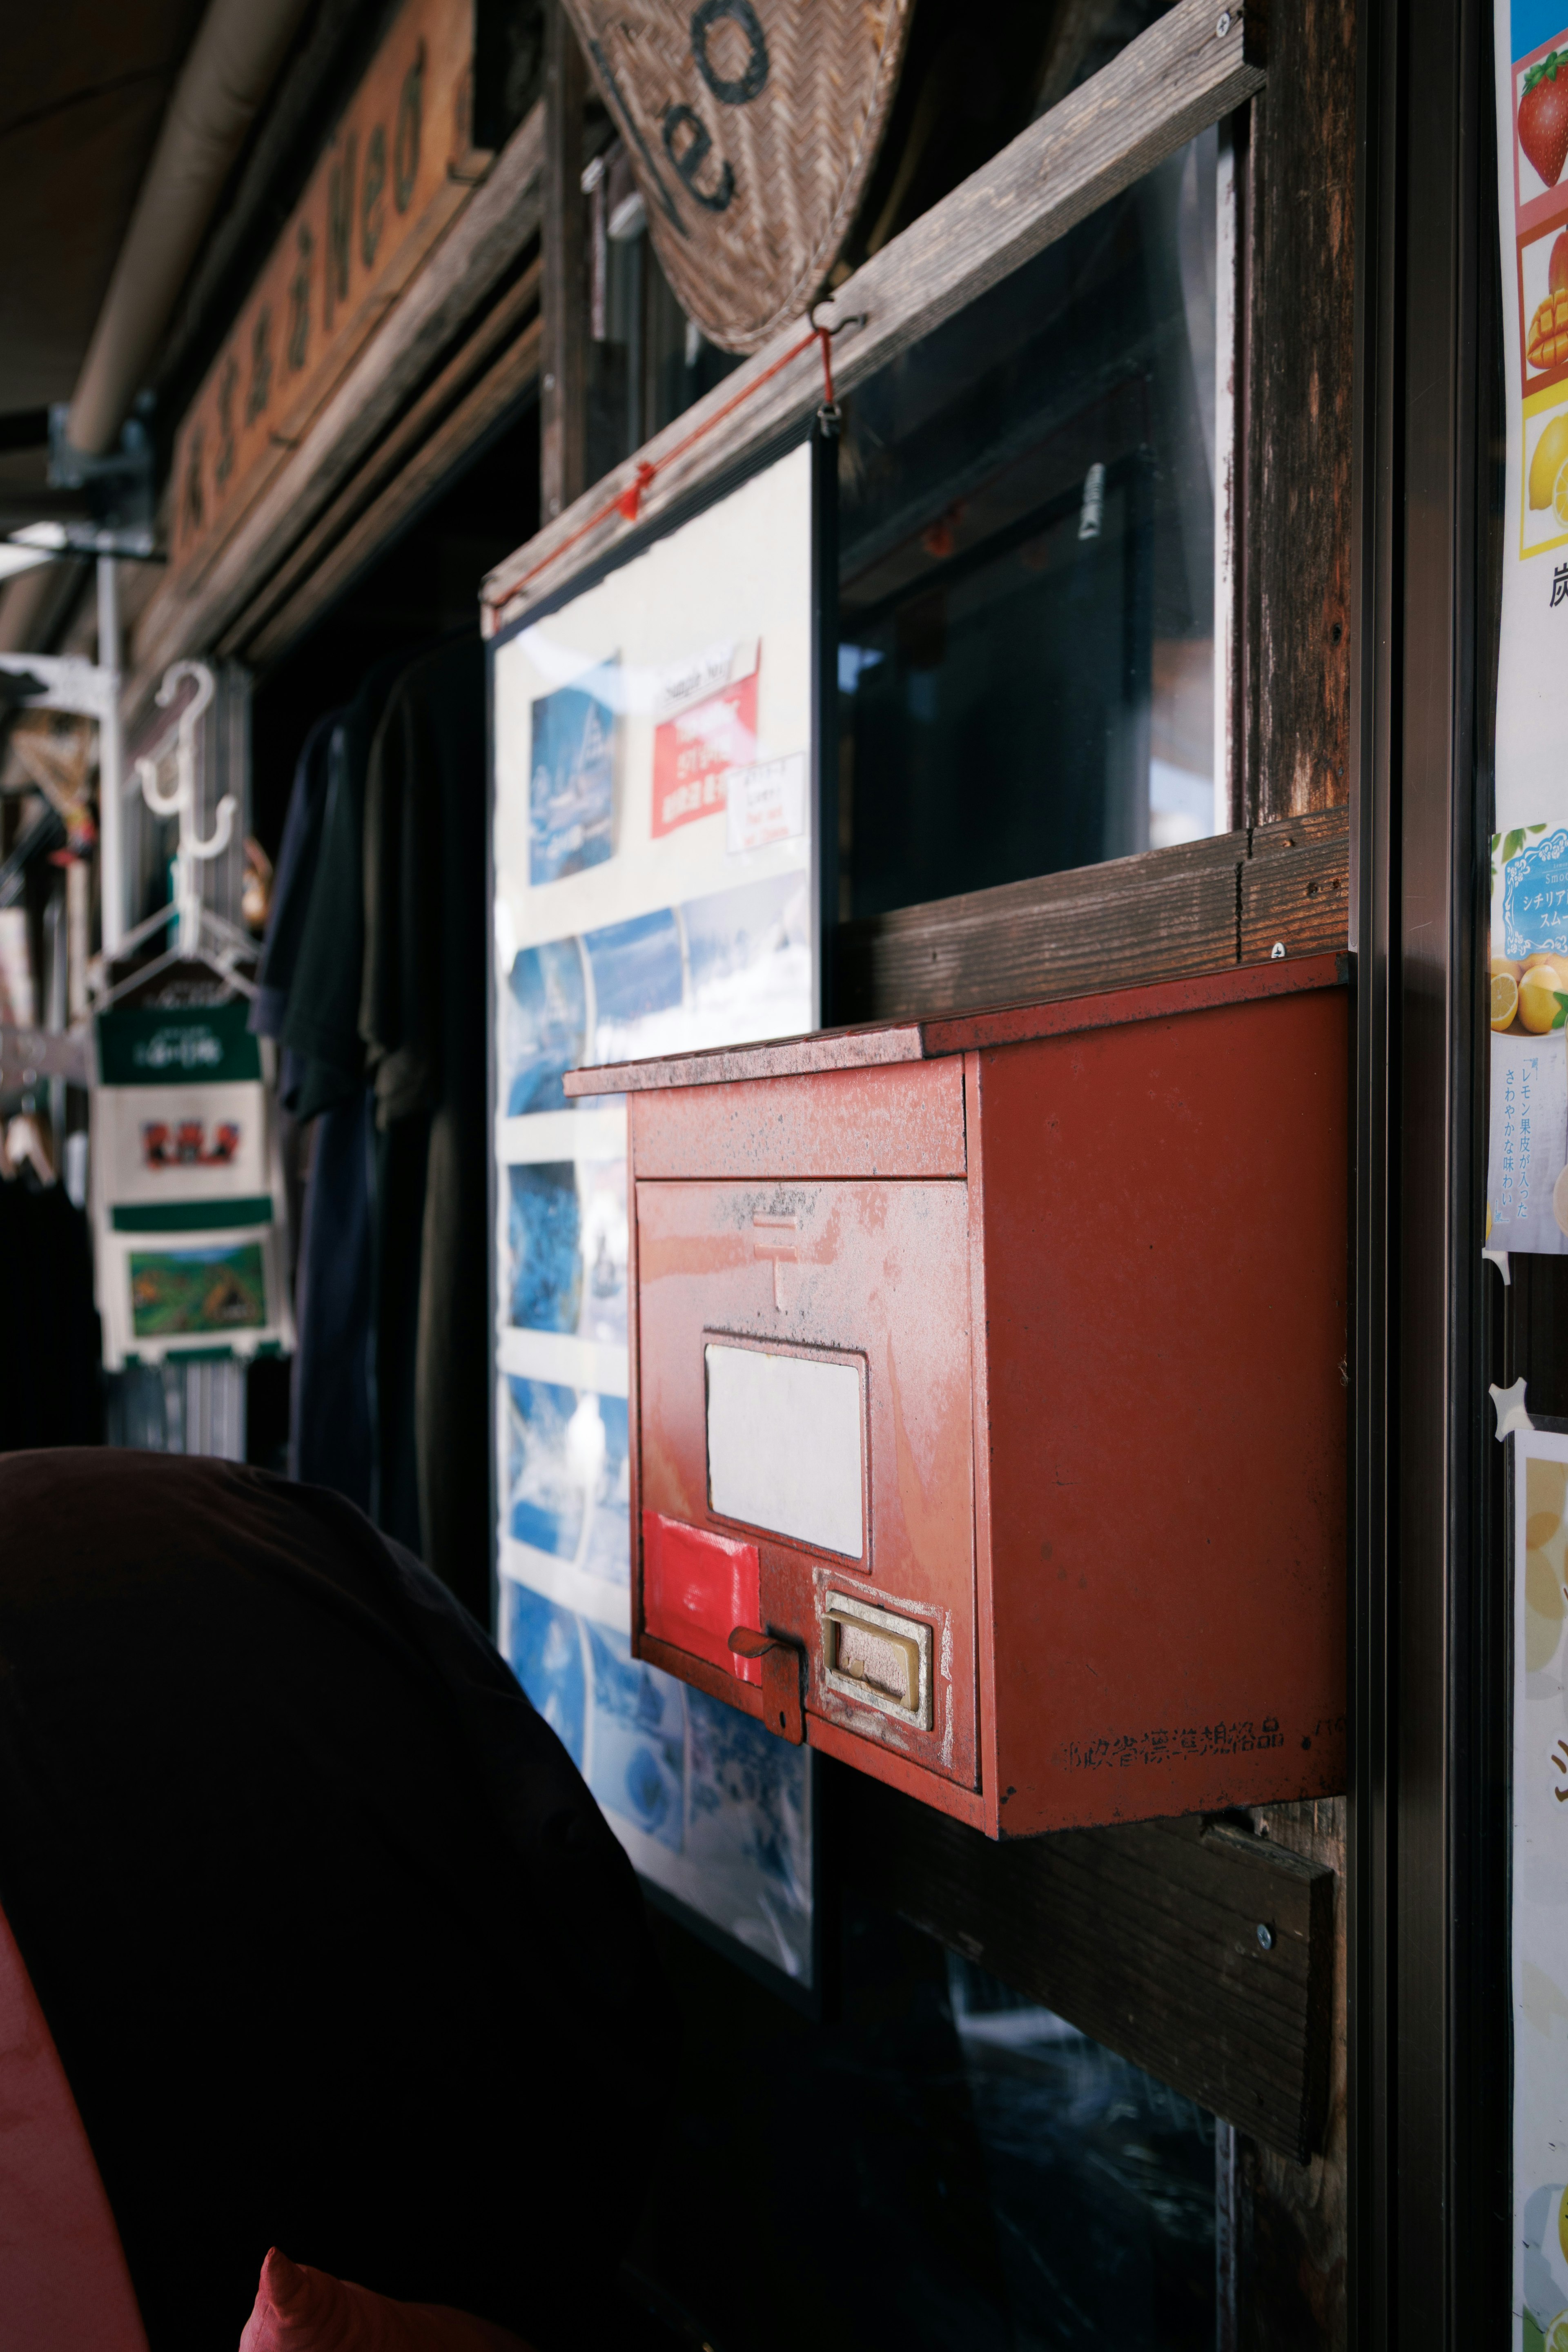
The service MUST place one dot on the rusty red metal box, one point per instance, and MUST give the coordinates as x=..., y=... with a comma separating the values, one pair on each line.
x=988, y=1393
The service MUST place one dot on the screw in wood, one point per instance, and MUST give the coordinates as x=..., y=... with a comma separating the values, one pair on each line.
x=1266, y=1936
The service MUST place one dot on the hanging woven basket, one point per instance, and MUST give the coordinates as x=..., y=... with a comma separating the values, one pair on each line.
x=752, y=126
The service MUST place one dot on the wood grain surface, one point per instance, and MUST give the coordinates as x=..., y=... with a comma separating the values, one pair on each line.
x=563, y=408
x=485, y=240
x=450, y=414
x=1303, y=367
x=501, y=386
x=1145, y=1937
x=1295, y=885
x=1162, y=915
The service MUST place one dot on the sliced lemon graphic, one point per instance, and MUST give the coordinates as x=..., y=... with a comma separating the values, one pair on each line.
x=1545, y=466
x=1557, y=2334
x=1505, y=999
x=1538, y=993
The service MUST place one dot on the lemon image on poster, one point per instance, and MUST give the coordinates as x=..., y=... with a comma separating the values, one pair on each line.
x=1544, y=2311
x=1546, y=518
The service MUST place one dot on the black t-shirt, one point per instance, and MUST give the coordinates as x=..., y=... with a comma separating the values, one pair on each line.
x=337, y=1950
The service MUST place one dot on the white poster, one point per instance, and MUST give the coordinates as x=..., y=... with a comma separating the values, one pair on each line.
x=1540, y=1517
x=1527, y=1178
x=653, y=877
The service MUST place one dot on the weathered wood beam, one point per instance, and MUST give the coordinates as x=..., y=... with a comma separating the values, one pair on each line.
x=1169, y=84
x=500, y=388
x=1146, y=1936
x=564, y=390
x=452, y=414
x=1302, y=364
x=1161, y=915
x=484, y=241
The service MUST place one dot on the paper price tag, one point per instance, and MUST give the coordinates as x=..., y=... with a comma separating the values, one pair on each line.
x=766, y=802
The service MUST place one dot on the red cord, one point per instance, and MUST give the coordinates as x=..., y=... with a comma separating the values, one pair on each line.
x=628, y=502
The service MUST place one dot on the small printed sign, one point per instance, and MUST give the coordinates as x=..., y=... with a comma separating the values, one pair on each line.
x=694, y=750
x=766, y=804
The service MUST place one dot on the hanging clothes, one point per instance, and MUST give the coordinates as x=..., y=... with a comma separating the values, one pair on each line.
x=422, y=1021
x=331, y=1443
x=322, y=1023
x=318, y=970
x=51, y=1391
x=293, y=879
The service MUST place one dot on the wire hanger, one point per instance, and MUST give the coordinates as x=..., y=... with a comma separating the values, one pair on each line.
x=200, y=936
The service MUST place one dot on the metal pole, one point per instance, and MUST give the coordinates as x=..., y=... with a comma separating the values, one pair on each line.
x=110, y=764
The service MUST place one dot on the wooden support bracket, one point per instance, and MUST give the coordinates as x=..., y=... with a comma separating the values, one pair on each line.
x=1199, y=1951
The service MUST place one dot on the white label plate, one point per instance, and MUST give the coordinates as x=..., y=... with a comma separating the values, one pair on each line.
x=784, y=1446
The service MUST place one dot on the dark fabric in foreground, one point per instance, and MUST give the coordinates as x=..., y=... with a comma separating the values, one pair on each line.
x=337, y=1950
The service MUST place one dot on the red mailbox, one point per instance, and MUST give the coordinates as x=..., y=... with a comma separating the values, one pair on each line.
x=988, y=1393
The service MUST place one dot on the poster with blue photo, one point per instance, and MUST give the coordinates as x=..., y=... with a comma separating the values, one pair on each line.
x=572, y=784
x=620, y=934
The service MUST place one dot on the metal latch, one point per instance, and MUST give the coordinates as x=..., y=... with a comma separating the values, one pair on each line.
x=782, y=1663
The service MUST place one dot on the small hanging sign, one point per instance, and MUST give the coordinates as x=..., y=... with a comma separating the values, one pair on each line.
x=187, y=1188
x=753, y=126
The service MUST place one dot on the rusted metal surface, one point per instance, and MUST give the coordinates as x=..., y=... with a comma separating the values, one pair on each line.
x=1099, y=1318
x=1163, y=1218
x=875, y=1272
x=905, y=1120
x=1246, y=984
x=825, y=1049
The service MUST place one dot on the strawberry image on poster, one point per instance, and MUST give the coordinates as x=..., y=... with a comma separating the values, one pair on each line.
x=1543, y=116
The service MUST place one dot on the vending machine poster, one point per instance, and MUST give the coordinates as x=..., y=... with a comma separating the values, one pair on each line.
x=653, y=848
x=1526, y=1160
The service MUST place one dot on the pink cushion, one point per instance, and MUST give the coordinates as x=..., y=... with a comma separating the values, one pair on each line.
x=301, y=2310
x=63, y=2279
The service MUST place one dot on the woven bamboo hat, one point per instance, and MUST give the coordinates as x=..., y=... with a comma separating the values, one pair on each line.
x=752, y=126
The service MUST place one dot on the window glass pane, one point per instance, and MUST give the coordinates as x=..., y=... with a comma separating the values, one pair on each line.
x=1027, y=564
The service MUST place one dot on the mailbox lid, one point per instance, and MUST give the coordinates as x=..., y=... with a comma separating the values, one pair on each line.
x=861, y=1285
x=903, y=1120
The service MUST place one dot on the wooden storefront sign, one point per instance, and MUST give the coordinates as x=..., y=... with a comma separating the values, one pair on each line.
x=398, y=168
x=751, y=130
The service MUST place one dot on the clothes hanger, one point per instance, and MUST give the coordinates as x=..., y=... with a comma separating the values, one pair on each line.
x=200, y=936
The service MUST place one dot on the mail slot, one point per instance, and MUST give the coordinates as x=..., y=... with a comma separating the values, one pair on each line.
x=990, y=1374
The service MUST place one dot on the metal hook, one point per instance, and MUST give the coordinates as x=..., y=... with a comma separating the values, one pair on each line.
x=182, y=801
x=183, y=794
x=161, y=803
x=217, y=841
x=173, y=678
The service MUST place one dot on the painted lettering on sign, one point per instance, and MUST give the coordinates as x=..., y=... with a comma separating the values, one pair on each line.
x=397, y=168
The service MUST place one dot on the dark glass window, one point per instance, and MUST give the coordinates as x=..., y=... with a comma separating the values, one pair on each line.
x=1027, y=564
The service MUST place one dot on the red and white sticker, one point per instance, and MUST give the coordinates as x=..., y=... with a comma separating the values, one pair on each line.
x=705, y=712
